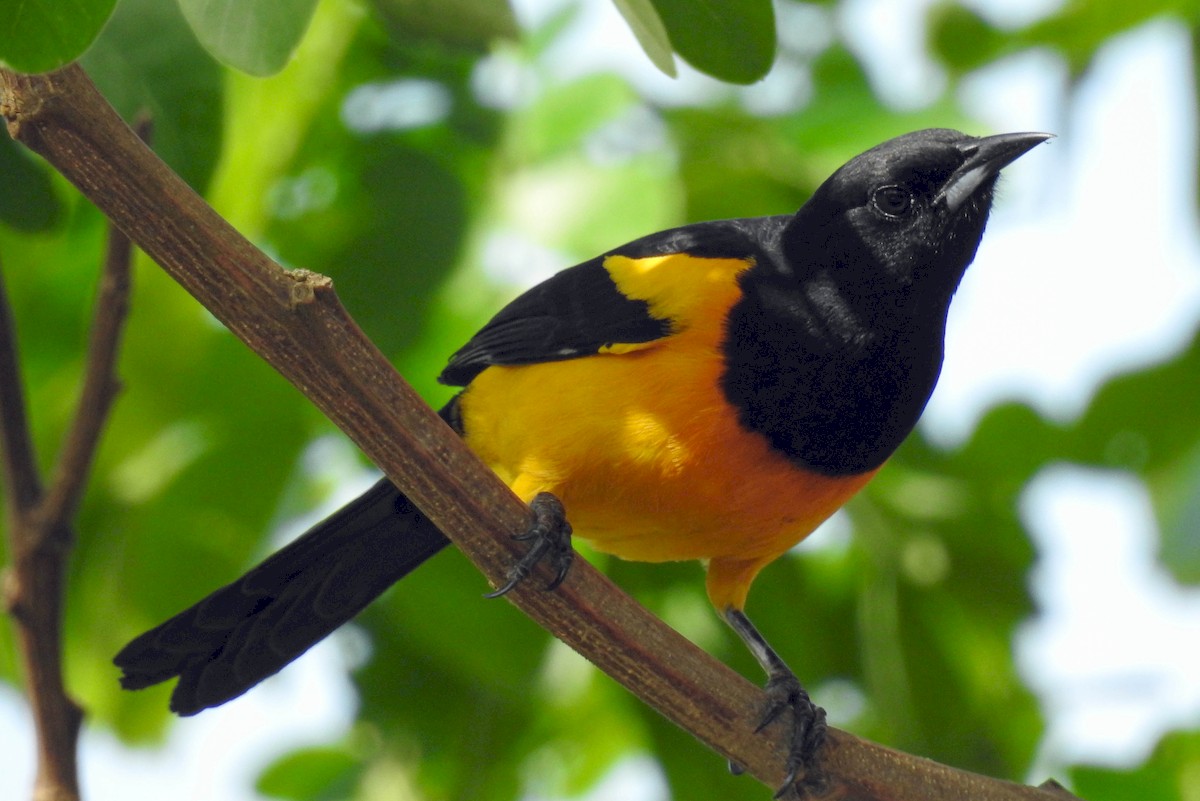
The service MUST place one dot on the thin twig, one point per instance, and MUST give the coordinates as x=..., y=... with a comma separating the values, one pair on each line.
x=39, y=524
x=18, y=466
x=33, y=584
x=294, y=321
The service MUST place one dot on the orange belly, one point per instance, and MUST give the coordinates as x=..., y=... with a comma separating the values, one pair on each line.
x=649, y=460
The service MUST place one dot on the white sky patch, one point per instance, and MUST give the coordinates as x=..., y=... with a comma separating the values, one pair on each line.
x=1091, y=265
x=396, y=105
x=889, y=37
x=214, y=756
x=1113, y=655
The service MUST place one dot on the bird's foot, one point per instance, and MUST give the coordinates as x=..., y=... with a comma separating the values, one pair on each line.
x=550, y=534
x=785, y=692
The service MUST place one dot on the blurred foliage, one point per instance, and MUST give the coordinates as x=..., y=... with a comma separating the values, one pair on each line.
x=45, y=34
x=30, y=203
x=965, y=40
x=732, y=40
x=1171, y=772
x=147, y=62
x=255, y=36
x=651, y=33
x=431, y=157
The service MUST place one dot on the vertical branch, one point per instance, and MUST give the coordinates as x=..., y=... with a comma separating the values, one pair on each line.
x=33, y=585
x=18, y=467
x=39, y=522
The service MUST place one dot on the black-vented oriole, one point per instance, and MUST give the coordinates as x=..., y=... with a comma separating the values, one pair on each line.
x=709, y=392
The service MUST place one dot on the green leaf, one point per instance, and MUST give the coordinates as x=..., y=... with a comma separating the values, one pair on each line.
x=394, y=231
x=310, y=773
x=559, y=122
x=966, y=40
x=1170, y=774
x=732, y=40
x=1164, y=449
x=42, y=35
x=962, y=38
x=648, y=29
x=27, y=199
x=1081, y=29
x=1178, y=506
x=148, y=61
x=469, y=24
x=254, y=36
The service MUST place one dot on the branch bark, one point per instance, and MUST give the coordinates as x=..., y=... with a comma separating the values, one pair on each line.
x=39, y=522
x=34, y=584
x=293, y=320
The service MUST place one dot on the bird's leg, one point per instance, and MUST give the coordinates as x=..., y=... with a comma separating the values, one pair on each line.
x=785, y=692
x=551, y=536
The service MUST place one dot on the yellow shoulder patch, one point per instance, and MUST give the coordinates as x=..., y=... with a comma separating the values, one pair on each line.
x=619, y=348
x=677, y=287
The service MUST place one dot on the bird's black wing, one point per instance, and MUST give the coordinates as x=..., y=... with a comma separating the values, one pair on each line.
x=580, y=311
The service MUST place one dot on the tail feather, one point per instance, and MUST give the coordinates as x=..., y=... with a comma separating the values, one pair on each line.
x=250, y=629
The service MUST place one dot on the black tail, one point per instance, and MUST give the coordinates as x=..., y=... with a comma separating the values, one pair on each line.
x=252, y=628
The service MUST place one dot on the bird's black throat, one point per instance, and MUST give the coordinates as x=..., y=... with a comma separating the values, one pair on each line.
x=834, y=375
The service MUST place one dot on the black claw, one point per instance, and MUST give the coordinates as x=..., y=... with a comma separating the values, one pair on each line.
x=808, y=732
x=808, y=735
x=558, y=579
x=561, y=559
x=551, y=534
x=785, y=692
x=513, y=580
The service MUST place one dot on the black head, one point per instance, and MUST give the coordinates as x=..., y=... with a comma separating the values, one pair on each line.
x=909, y=209
x=834, y=349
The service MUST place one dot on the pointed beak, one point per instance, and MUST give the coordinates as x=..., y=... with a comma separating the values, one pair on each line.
x=984, y=159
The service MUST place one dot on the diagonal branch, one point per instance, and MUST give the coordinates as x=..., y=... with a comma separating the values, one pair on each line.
x=293, y=320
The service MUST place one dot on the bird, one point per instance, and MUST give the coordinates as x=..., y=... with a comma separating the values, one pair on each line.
x=710, y=392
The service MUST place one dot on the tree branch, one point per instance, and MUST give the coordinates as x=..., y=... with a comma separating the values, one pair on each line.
x=293, y=320
x=18, y=465
x=39, y=524
x=33, y=585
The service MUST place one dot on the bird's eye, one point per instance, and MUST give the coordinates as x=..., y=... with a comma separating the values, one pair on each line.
x=893, y=201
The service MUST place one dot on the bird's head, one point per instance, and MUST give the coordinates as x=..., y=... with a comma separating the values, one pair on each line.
x=908, y=212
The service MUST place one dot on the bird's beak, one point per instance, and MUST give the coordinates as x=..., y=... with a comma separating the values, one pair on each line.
x=985, y=158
